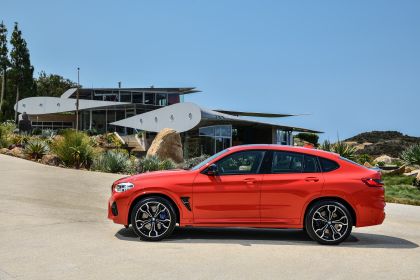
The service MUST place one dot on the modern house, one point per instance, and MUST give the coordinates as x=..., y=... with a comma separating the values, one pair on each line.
x=129, y=110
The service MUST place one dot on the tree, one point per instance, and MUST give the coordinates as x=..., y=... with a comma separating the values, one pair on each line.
x=21, y=69
x=52, y=84
x=4, y=63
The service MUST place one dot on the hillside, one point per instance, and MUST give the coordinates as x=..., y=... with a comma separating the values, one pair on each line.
x=376, y=143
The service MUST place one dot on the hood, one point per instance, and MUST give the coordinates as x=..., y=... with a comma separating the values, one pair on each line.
x=155, y=175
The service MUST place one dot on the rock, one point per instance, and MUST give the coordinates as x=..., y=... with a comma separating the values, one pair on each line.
x=409, y=169
x=417, y=181
x=398, y=171
x=4, y=150
x=50, y=160
x=367, y=164
x=412, y=173
x=167, y=144
x=384, y=158
x=16, y=152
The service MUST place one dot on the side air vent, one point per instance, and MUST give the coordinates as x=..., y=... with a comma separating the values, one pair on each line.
x=186, y=201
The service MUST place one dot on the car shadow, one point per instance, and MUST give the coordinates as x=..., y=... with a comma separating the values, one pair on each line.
x=250, y=236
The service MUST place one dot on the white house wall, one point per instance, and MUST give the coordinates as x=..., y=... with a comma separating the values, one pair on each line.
x=180, y=117
x=49, y=105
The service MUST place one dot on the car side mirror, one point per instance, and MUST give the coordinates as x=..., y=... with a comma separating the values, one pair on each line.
x=212, y=170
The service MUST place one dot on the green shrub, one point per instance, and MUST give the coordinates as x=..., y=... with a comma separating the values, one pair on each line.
x=153, y=163
x=364, y=158
x=191, y=162
x=20, y=139
x=308, y=137
x=4, y=137
x=341, y=148
x=112, y=161
x=35, y=149
x=411, y=155
x=74, y=149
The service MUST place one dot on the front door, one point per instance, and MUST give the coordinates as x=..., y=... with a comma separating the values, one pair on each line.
x=232, y=196
x=293, y=179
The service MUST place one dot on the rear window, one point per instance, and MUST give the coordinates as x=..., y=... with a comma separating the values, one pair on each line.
x=328, y=165
x=352, y=162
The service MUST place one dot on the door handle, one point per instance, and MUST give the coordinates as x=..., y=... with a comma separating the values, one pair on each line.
x=311, y=179
x=250, y=181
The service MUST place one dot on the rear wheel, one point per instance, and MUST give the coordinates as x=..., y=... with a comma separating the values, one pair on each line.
x=328, y=222
x=153, y=218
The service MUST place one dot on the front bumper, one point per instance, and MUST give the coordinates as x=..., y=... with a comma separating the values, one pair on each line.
x=118, y=210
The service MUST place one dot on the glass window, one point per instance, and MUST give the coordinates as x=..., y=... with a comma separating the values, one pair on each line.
x=310, y=164
x=328, y=165
x=285, y=162
x=208, y=160
x=247, y=162
x=138, y=97
x=161, y=99
x=125, y=96
x=173, y=98
x=149, y=98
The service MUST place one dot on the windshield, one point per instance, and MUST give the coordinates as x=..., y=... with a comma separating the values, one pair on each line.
x=198, y=166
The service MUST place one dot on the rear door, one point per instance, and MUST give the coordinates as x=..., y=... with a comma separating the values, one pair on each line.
x=292, y=179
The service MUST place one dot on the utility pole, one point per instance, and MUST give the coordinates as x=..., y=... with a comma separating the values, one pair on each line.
x=77, y=99
x=20, y=78
x=3, y=87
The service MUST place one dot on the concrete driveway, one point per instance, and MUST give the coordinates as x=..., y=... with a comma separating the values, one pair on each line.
x=53, y=225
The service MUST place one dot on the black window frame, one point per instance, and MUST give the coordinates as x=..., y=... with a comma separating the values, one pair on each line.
x=322, y=169
x=264, y=153
x=268, y=163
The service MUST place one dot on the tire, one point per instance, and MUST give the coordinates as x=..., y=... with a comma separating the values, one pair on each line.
x=328, y=222
x=153, y=218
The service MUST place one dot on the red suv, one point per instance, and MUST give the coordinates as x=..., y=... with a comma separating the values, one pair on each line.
x=266, y=186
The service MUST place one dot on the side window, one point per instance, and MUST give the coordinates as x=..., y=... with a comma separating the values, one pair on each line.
x=310, y=164
x=328, y=165
x=247, y=162
x=285, y=162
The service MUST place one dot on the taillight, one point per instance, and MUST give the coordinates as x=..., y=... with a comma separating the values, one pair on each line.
x=371, y=182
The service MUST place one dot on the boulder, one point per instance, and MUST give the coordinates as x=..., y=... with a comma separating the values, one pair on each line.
x=50, y=160
x=367, y=164
x=417, y=181
x=398, y=171
x=16, y=152
x=412, y=173
x=167, y=144
x=4, y=150
x=384, y=158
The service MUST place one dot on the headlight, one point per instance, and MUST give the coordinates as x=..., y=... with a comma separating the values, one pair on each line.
x=122, y=187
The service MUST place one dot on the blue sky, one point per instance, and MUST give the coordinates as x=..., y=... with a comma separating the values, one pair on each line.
x=353, y=65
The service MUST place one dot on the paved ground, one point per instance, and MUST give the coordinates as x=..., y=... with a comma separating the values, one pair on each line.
x=53, y=226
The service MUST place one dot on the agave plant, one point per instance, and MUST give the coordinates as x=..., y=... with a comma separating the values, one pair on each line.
x=112, y=161
x=411, y=155
x=341, y=148
x=35, y=149
x=153, y=163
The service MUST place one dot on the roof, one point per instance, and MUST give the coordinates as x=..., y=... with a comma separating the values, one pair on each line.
x=183, y=90
x=186, y=116
x=215, y=116
x=254, y=114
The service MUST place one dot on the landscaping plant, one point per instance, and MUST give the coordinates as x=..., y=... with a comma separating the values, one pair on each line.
x=113, y=161
x=341, y=148
x=35, y=149
x=308, y=137
x=74, y=149
x=153, y=163
x=191, y=162
x=411, y=155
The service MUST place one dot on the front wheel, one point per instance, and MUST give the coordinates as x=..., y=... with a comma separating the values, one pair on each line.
x=153, y=218
x=328, y=222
